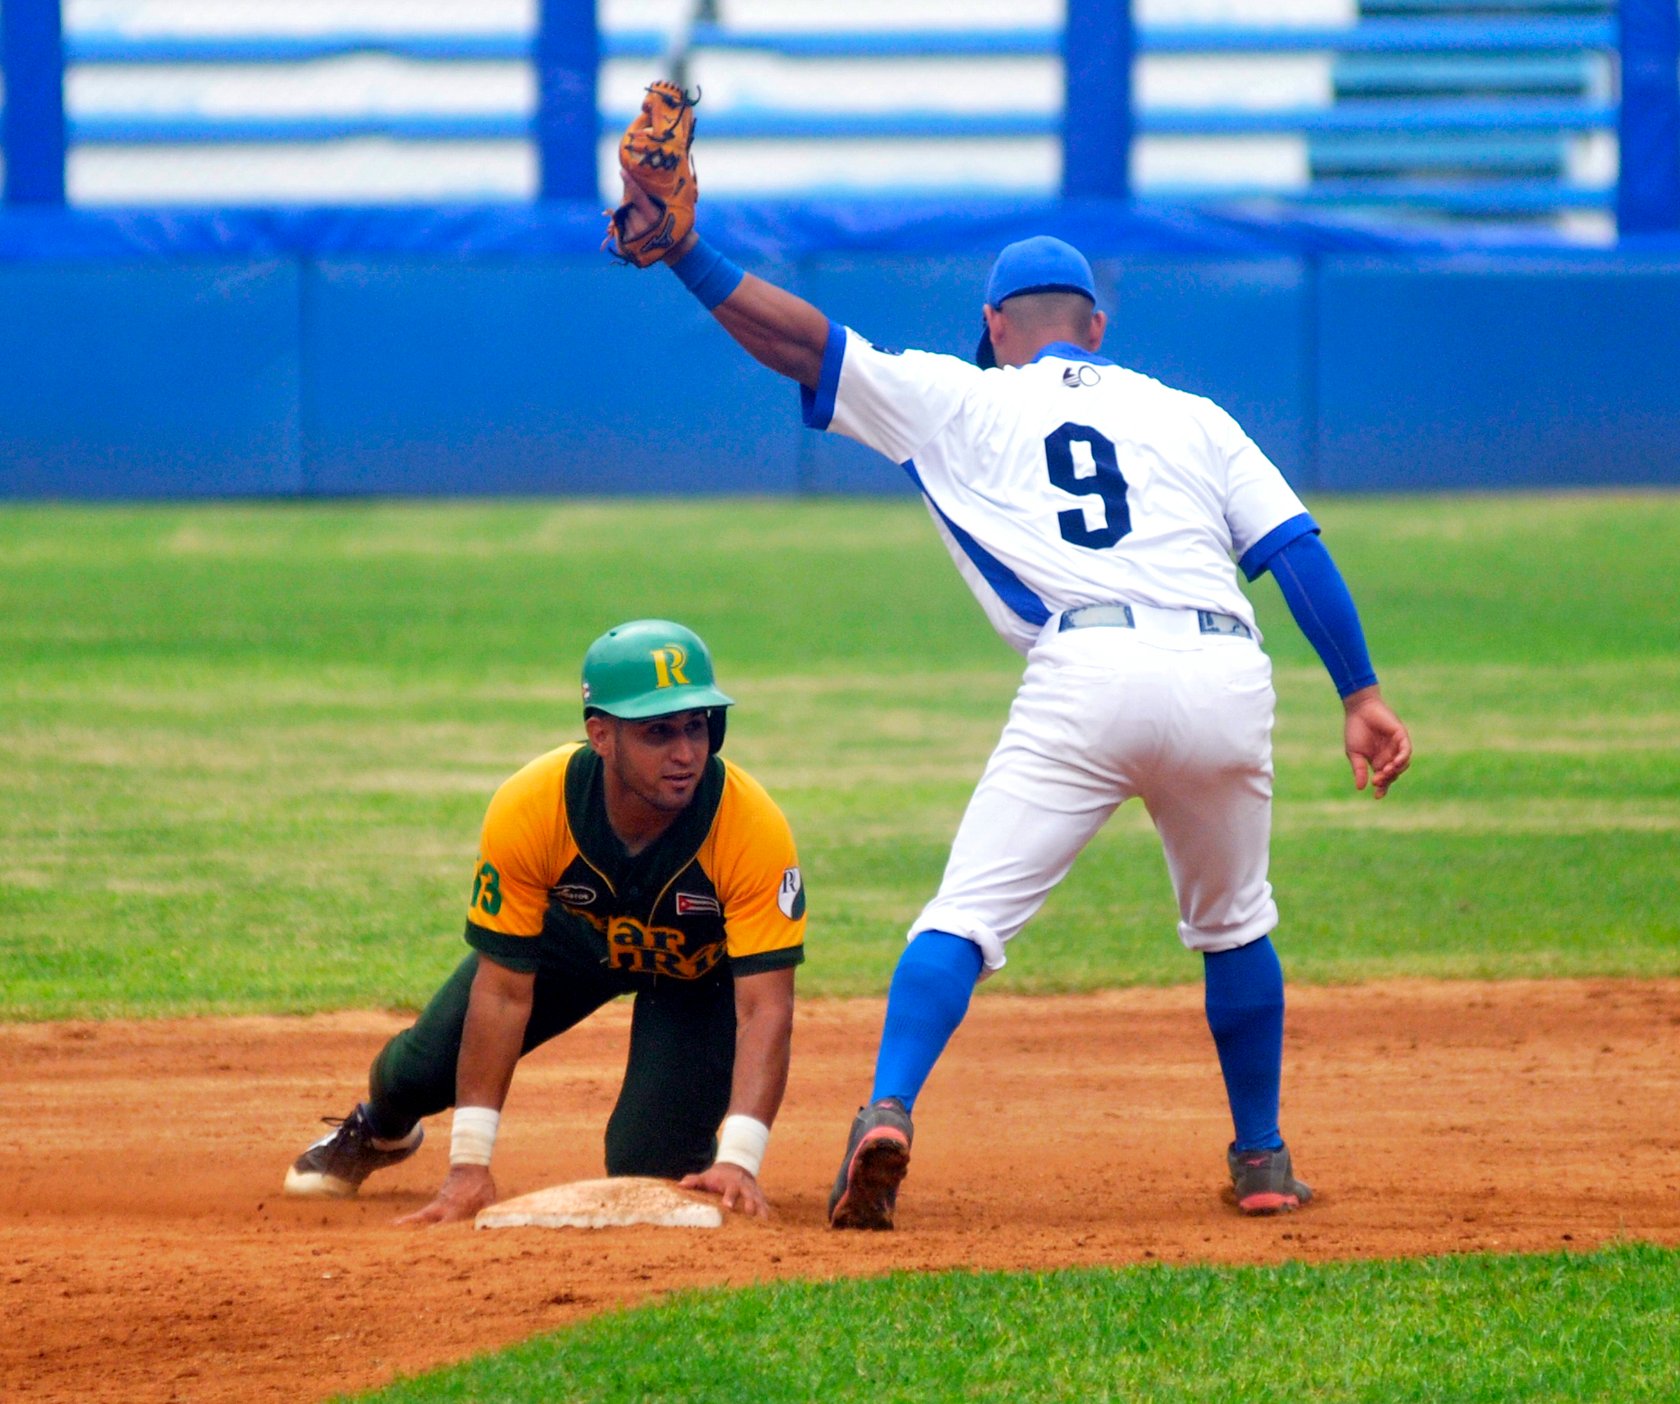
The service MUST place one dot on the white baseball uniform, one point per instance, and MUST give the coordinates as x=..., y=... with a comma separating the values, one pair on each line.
x=1094, y=513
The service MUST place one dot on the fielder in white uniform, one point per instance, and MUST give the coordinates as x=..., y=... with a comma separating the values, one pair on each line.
x=1095, y=513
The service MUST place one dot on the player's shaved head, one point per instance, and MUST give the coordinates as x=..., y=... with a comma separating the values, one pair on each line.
x=1051, y=311
x=1028, y=322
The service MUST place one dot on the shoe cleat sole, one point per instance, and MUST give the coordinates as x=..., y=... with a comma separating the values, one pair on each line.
x=878, y=1167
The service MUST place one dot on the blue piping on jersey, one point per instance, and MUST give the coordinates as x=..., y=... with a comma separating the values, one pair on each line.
x=818, y=405
x=1067, y=351
x=1254, y=560
x=1004, y=582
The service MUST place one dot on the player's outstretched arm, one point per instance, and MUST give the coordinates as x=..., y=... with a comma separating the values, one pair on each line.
x=773, y=326
x=654, y=223
x=763, y=1048
x=498, y=1009
x=776, y=329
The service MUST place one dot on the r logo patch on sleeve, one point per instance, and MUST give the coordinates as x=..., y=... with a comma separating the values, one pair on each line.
x=791, y=897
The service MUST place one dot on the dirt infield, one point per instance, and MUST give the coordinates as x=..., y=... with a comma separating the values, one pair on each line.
x=146, y=1254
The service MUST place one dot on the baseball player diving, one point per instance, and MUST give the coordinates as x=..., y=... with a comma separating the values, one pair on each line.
x=1095, y=513
x=636, y=862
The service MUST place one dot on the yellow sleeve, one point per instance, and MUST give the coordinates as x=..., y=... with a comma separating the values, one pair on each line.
x=752, y=862
x=518, y=848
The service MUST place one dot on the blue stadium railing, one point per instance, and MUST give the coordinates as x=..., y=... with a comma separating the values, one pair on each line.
x=1649, y=201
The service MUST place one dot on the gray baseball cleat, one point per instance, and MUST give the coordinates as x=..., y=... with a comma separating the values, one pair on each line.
x=335, y=1166
x=876, y=1162
x=1264, y=1181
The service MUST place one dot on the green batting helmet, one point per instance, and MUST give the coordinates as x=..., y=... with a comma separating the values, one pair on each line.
x=652, y=668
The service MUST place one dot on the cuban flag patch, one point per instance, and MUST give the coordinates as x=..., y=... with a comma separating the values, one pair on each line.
x=689, y=903
x=790, y=897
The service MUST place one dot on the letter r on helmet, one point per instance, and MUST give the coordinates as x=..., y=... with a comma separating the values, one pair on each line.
x=668, y=663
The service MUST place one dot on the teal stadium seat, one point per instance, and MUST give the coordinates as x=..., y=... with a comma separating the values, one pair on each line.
x=1500, y=175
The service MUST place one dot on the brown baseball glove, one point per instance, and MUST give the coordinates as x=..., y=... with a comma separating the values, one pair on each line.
x=653, y=155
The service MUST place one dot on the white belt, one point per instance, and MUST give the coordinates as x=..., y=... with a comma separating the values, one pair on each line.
x=1153, y=619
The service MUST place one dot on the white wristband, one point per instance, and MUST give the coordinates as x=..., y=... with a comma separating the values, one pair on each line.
x=742, y=1142
x=473, y=1136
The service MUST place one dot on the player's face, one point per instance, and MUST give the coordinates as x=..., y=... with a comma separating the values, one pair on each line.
x=659, y=761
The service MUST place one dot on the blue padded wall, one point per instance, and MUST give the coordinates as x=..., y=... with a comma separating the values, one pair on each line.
x=1498, y=373
x=1237, y=331
x=529, y=376
x=394, y=373
x=149, y=380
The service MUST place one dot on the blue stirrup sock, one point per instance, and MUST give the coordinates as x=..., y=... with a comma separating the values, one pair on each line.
x=1245, y=1013
x=927, y=1000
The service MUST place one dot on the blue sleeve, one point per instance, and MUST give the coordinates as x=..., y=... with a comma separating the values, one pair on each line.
x=1318, y=598
x=1258, y=556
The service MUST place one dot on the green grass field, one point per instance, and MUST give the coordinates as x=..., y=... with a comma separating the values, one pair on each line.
x=1464, y=1330
x=247, y=750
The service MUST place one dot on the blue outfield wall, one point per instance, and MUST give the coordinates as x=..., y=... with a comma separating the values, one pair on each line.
x=135, y=367
x=544, y=376
x=1473, y=373
x=150, y=380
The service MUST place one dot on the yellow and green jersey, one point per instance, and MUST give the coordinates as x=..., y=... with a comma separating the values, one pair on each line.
x=722, y=883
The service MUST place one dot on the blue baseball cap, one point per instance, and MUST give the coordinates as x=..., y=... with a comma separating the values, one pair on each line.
x=1042, y=263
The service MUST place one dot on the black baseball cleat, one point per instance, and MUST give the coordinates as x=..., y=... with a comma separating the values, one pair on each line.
x=1264, y=1181
x=876, y=1162
x=335, y=1166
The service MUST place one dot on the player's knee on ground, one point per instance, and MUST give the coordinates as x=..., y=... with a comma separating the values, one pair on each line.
x=637, y=1148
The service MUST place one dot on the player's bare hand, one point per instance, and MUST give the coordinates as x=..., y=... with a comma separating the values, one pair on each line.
x=738, y=1188
x=465, y=1190
x=1378, y=745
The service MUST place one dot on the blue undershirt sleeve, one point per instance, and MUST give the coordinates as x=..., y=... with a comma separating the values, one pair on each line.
x=1318, y=598
x=1258, y=556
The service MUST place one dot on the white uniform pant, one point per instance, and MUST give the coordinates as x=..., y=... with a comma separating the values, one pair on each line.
x=1180, y=719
